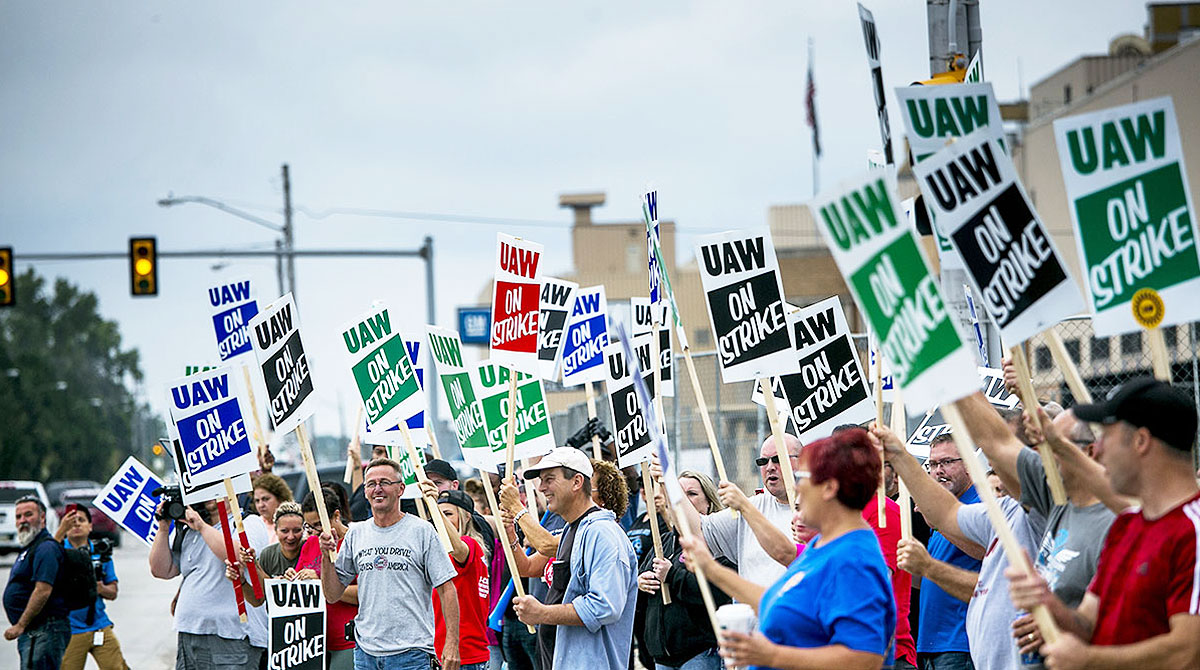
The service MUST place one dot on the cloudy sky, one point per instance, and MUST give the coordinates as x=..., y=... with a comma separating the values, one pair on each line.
x=470, y=108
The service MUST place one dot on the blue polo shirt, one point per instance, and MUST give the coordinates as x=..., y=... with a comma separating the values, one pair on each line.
x=78, y=617
x=944, y=617
x=835, y=593
x=39, y=561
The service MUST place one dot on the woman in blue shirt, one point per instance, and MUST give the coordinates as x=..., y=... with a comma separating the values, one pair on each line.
x=834, y=607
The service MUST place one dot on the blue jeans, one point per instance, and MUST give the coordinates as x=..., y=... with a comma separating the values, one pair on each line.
x=519, y=646
x=413, y=659
x=495, y=657
x=474, y=666
x=705, y=660
x=946, y=660
x=42, y=648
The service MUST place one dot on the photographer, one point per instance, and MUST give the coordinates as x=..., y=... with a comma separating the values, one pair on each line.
x=91, y=629
x=206, y=616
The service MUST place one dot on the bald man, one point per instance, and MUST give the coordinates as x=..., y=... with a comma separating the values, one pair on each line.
x=733, y=538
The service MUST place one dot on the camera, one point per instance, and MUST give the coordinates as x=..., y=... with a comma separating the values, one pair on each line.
x=172, y=503
x=102, y=549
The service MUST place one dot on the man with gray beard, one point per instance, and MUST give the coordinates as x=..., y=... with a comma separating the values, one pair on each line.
x=38, y=615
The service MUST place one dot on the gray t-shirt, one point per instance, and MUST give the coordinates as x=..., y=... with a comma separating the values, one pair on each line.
x=273, y=563
x=1070, y=547
x=206, y=603
x=990, y=613
x=397, y=569
x=732, y=538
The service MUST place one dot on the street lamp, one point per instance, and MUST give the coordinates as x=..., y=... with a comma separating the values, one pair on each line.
x=283, y=247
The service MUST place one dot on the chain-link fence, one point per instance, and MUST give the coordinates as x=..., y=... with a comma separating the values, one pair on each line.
x=741, y=425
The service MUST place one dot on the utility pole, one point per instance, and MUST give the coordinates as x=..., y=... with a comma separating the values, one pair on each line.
x=430, y=318
x=288, y=240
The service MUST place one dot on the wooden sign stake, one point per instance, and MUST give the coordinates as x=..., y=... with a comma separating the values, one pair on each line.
x=509, y=556
x=900, y=428
x=880, y=506
x=652, y=511
x=1158, y=354
x=314, y=482
x=704, y=417
x=355, y=444
x=258, y=434
x=439, y=522
x=781, y=450
x=1029, y=399
x=237, y=586
x=251, y=566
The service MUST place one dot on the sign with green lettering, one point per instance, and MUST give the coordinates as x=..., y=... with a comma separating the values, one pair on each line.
x=534, y=436
x=383, y=373
x=877, y=253
x=465, y=409
x=1135, y=222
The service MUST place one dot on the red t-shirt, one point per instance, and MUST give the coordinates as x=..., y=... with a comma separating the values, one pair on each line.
x=901, y=580
x=338, y=614
x=1148, y=572
x=471, y=583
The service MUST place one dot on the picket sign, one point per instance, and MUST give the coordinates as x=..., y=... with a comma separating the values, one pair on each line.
x=128, y=499
x=516, y=292
x=871, y=38
x=934, y=423
x=555, y=304
x=584, y=338
x=466, y=410
x=297, y=638
x=1029, y=399
x=650, y=318
x=232, y=306
x=207, y=411
x=439, y=521
x=1135, y=222
x=236, y=510
x=229, y=551
x=284, y=364
x=534, y=435
x=1012, y=548
x=193, y=493
x=383, y=373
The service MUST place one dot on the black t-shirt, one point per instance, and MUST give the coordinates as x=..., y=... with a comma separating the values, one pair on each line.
x=39, y=561
x=560, y=575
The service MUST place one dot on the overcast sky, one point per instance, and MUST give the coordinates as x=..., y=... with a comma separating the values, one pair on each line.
x=473, y=108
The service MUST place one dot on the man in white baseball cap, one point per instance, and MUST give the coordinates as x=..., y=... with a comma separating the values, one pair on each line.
x=588, y=613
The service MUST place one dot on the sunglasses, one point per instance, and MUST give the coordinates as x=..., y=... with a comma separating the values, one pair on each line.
x=762, y=462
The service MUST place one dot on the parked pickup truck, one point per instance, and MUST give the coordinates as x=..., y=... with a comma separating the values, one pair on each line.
x=10, y=492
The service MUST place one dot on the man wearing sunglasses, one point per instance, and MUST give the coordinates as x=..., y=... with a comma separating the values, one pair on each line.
x=399, y=562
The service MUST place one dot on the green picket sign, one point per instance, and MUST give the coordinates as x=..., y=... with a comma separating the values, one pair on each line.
x=383, y=374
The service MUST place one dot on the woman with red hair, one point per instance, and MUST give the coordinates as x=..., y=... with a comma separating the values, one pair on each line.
x=833, y=608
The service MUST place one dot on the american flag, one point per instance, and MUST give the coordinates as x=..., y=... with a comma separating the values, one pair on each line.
x=810, y=103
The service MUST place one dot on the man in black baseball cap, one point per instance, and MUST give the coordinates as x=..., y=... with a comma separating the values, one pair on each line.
x=1142, y=608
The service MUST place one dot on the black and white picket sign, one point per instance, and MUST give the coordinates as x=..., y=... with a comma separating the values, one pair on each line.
x=297, y=629
x=933, y=425
x=871, y=38
x=631, y=433
x=972, y=189
x=275, y=334
x=641, y=309
x=557, y=299
x=744, y=296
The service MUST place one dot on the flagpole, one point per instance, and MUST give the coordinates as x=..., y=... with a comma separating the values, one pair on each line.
x=812, y=111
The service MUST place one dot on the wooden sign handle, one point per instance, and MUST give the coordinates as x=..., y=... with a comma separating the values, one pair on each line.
x=355, y=444
x=704, y=417
x=510, y=449
x=900, y=428
x=1158, y=354
x=881, y=506
x=509, y=556
x=591, y=410
x=652, y=512
x=781, y=450
x=1029, y=399
x=435, y=514
x=1067, y=366
x=314, y=482
x=258, y=432
x=251, y=566
x=685, y=530
x=229, y=551
x=1008, y=540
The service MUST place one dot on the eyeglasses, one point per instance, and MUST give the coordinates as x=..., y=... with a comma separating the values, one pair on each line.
x=382, y=483
x=930, y=466
x=312, y=530
x=761, y=462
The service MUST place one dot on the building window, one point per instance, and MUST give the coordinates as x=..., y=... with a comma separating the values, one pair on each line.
x=1101, y=349
x=703, y=338
x=1067, y=94
x=1042, y=358
x=1073, y=350
x=1131, y=343
x=634, y=258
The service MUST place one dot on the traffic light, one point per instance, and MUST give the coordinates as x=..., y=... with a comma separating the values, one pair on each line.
x=143, y=266
x=8, y=291
x=948, y=77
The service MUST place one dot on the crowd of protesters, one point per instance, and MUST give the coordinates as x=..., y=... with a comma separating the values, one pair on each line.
x=609, y=579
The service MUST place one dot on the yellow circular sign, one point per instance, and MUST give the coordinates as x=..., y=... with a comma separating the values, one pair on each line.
x=1148, y=308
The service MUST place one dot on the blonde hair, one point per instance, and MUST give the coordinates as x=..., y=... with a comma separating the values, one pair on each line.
x=707, y=487
x=286, y=508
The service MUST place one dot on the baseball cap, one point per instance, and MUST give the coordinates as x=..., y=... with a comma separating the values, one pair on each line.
x=562, y=457
x=441, y=468
x=459, y=498
x=1147, y=403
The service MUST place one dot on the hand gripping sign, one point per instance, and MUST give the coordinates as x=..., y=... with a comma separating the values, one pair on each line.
x=886, y=272
x=557, y=299
x=1134, y=218
x=744, y=296
x=128, y=498
x=515, y=296
x=284, y=364
x=206, y=411
x=232, y=306
x=972, y=189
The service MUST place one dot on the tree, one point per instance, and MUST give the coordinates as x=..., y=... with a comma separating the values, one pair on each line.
x=68, y=411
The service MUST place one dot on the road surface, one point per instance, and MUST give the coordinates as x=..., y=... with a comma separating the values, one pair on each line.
x=141, y=614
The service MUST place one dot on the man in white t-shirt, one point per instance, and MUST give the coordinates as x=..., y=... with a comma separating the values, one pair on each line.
x=732, y=537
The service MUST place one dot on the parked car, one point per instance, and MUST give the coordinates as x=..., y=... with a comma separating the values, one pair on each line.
x=102, y=526
x=10, y=492
x=55, y=490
